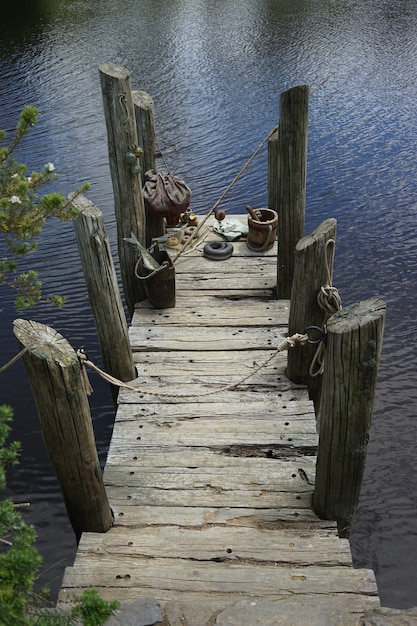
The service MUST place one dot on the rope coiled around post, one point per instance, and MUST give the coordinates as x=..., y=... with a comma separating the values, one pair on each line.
x=329, y=301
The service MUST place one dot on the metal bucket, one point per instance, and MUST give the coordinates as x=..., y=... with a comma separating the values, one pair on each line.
x=160, y=283
x=263, y=232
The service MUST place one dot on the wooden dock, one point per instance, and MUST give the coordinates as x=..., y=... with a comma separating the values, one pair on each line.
x=212, y=491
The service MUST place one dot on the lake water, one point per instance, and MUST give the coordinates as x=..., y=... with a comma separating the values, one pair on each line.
x=216, y=71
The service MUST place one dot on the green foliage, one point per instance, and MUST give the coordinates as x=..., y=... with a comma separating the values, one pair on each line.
x=24, y=211
x=20, y=562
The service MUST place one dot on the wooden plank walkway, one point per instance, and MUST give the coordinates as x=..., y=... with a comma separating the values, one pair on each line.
x=212, y=493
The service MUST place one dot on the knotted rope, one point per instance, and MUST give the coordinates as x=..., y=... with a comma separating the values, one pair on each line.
x=330, y=302
x=289, y=342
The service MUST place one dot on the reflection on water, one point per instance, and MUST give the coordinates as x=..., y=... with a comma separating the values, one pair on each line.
x=215, y=71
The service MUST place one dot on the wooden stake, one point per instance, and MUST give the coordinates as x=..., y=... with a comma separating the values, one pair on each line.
x=290, y=180
x=145, y=122
x=58, y=387
x=313, y=269
x=127, y=184
x=354, y=340
x=103, y=291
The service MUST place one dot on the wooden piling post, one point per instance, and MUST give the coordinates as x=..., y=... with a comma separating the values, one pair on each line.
x=273, y=174
x=288, y=169
x=145, y=122
x=354, y=340
x=103, y=291
x=58, y=387
x=125, y=172
x=313, y=269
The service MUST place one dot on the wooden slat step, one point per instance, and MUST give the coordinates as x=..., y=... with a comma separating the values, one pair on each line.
x=156, y=337
x=222, y=544
x=202, y=314
x=170, y=577
x=209, y=432
x=298, y=519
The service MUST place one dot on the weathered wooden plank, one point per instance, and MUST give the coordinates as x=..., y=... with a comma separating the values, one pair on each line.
x=245, y=359
x=219, y=544
x=236, y=266
x=136, y=475
x=235, y=458
x=208, y=496
x=277, y=404
x=290, y=426
x=213, y=362
x=199, y=607
x=256, y=314
x=164, y=575
x=222, y=280
x=137, y=515
x=212, y=299
x=194, y=393
x=214, y=338
x=200, y=384
x=208, y=432
x=235, y=294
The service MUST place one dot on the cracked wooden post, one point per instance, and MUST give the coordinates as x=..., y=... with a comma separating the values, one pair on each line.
x=58, y=387
x=103, y=291
x=287, y=180
x=145, y=122
x=354, y=341
x=313, y=269
x=125, y=172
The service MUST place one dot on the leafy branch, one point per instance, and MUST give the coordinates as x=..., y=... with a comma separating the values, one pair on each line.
x=24, y=211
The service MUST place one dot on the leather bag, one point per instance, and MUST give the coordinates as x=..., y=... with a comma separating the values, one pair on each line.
x=166, y=196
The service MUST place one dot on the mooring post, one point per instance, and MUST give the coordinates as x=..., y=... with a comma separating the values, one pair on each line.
x=313, y=269
x=125, y=172
x=354, y=341
x=287, y=180
x=145, y=122
x=103, y=291
x=58, y=387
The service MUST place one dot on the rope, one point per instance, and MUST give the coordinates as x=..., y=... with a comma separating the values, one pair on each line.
x=14, y=360
x=330, y=302
x=225, y=192
x=289, y=342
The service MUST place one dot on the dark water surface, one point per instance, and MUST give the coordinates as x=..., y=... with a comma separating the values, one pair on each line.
x=215, y=70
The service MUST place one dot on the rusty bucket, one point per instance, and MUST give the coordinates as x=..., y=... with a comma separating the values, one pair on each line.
x=160, y=283
x=263, y=230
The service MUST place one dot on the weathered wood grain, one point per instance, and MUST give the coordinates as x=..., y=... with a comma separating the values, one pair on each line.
x=212, y=494
x=352, y=355
x=58, y=388
x=145, y=124
x=174, y=575
x=206, y=314
x=122, y=138
x=313, y=269
x=103, y=291
x=227, y=338
x=298, y=519
x=215, y=543
x=291, y=181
